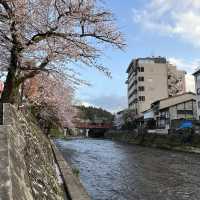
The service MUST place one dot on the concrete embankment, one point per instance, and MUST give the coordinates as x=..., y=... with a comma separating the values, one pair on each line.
x=28, y=168
x=184, y=142
x=72, y=184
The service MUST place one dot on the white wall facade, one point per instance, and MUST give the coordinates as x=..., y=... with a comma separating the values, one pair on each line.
x=190, y=83
x=118, y=120
x=197, y=86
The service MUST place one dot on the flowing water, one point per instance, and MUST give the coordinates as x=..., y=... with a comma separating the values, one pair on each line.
x=116, y=171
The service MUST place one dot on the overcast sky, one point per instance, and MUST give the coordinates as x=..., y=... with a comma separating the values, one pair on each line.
x=169, y=28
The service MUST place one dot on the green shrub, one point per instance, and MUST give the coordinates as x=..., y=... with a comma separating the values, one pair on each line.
x=55, y=132
x=76, y=171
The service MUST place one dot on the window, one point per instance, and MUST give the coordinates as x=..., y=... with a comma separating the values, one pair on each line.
x=140, y=78
x=198, y=91
x=185, y=112
x=135, y=100
x=140, y=69
x=141, y=98
x=141, y=88
x=198, y=78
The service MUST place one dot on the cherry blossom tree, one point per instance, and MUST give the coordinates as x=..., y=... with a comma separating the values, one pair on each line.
x=52, y=96
x=45, y=35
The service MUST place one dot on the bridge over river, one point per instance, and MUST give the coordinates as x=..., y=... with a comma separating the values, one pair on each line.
x=93, y=129
x=116, y=171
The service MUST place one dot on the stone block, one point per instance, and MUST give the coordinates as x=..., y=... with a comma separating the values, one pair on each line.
x=4, y=193
x=3, y=144
x=3, y=160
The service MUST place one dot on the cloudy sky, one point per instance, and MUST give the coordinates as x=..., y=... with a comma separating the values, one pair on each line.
x=169, y=28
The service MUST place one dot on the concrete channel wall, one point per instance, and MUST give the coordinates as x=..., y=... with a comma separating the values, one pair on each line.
x=74, y=187
x=28, y=165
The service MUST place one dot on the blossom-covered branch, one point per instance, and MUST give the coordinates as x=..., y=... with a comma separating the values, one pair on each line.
x=52, y=96
x=60, y=31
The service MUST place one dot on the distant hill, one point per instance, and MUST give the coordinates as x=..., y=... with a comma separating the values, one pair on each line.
x=94, y=114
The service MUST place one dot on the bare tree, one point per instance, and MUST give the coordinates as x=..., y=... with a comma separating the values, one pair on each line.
x=46, y=35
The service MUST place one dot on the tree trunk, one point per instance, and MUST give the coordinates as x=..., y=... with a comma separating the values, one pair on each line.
x=11, y=90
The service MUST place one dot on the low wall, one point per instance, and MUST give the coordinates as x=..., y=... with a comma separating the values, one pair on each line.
x=72, y=183
x=27, y=167
x=184, y=142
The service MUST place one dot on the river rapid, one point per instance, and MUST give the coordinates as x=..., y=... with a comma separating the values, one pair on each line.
x=115, y=171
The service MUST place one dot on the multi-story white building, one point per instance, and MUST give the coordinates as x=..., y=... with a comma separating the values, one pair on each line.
x=190, y=83
x=151, y=79
x=118, y=119
x=197, y=87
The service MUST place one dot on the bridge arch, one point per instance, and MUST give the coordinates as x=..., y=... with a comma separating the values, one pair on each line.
x=96, y=133
x=95, y=130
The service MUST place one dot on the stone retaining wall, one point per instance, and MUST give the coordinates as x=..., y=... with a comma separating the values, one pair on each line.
x=27, y=167
x=182, y=142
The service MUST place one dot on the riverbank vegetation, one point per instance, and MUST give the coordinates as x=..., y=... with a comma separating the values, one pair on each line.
x=187, y=141
x=94, y=114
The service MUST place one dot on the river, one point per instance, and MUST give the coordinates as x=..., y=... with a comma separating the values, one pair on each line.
x=115, y=171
